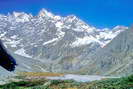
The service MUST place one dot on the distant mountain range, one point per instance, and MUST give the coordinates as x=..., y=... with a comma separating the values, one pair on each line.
x=49, y=42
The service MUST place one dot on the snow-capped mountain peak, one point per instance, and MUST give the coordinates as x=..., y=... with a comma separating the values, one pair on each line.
x=19, y=16
x=71, y=18
x=49, y=42
x=36, y=35
x=45, y=13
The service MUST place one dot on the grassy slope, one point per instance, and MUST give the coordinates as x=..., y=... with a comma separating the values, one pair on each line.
x=119, y=83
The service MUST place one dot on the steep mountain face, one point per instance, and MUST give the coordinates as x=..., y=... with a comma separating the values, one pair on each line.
x=115, y=58
x=52, y=43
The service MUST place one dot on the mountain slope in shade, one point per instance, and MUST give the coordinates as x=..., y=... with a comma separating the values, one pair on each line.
x=115, y=58
x=59, y=44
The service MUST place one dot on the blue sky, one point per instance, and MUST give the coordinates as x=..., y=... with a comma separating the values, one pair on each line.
x=99, y=13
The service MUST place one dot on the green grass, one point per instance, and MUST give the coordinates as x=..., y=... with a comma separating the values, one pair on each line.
x=116, y=83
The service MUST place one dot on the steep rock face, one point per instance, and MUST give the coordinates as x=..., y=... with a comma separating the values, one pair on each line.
x=59, y=44
x=116, y=58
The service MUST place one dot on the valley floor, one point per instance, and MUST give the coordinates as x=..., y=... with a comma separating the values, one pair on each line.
x=31, y=81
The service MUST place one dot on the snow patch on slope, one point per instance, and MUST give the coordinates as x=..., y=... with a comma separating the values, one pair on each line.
x=2, y=34
x=59, y=24
x=104, y=37
x=12, y=43
x=85, y=41
x=22, y=53
x=50, y=41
